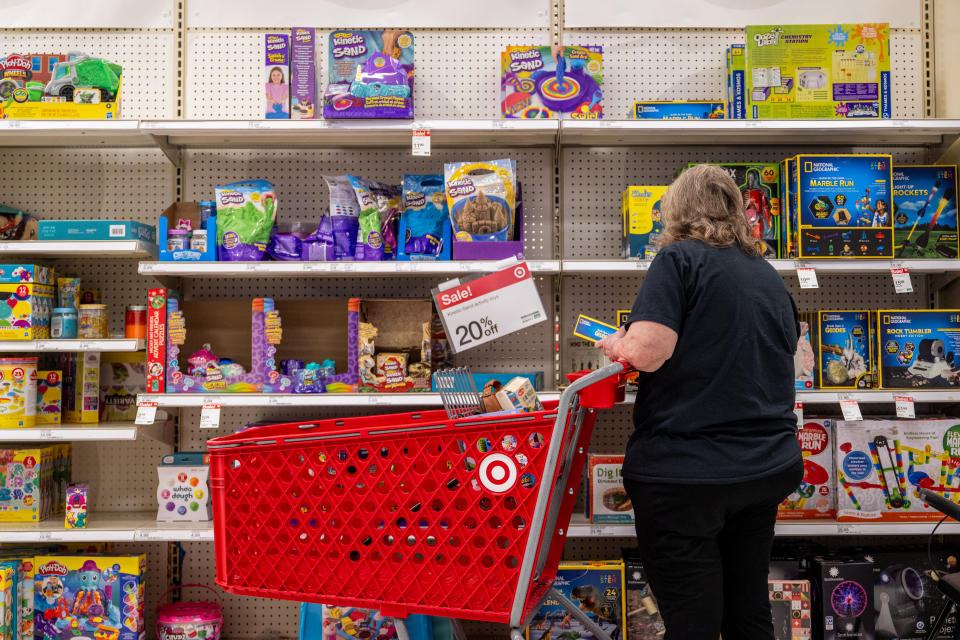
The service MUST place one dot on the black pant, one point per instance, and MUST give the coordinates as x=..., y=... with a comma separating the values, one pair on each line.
x=706, y=550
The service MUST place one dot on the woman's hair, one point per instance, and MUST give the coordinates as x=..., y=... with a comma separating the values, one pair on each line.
x=704, y=203
x=278, y=70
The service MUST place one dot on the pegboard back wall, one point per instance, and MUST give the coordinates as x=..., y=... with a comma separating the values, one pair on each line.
x=594, y=179
x=148, y=58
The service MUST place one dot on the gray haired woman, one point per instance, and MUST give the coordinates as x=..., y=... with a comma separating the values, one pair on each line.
x=713, y=333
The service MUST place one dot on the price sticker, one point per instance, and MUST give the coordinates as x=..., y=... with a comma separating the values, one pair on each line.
x=198, y=535
x=255, y=124
x=280, y=400
x=151, y=534
x=44, y=536
x=901, y=280
x=46, y=434
x=851, y=410
x=846, y=528
x=905, y=407
x=421, y=142
x=643, y=265
x=146, y=412
x=807, y=277
x=210, y=416
x=485, y=308
x=798, y=409
x=375, y=399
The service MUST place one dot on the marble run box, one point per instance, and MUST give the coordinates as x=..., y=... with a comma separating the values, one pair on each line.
x=29, y=293
x=89, y=596
x=830, y=71
x=598, y=588
x=846, y=349
x=918, y=348
x=536, y=82
x=816, y=497
x=844, y=205
x=920, y=190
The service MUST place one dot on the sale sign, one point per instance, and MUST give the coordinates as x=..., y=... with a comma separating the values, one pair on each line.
x=485, y=308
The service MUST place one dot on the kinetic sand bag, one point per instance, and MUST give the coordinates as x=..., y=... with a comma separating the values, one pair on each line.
x=246, y=212
x=482, y=199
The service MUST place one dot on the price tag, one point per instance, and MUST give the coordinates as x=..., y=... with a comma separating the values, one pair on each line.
x=485, y=308
x=851, y=410
x=846, y=528
x=905, y=407
x=280, y=400
x=807, y=277
x=643, y=265
x=901, y=280
x=375, y=399
x=198, y=535
x=210, y=416
x=150, y=534
x=798, y=409
x=46, y=434
x=44, y=536
x=596, y=532
x=255, y=124
x=421, y=142
x=146, y=413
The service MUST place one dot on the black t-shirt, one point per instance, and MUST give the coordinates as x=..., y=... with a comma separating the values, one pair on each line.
x=720, y=410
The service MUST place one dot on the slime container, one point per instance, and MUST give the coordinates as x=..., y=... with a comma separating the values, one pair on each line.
x=193, y=620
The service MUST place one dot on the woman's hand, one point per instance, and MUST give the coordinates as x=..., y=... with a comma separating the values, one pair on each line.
x=611, y=345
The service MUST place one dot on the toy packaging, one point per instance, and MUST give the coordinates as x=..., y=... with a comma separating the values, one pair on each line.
x=678, y=110
x=29, y=291
x=536, y=83
x=81, y=387
x=394, y=343
x=322, y=622
x=90, y=596
x=425, y=232
x=846, y=350
x=842, y=590
x=9, y=599
x=30, y=482
x=481, y=197
x=25, y=589
x=77, y=497
x=804, y=361
x=183, y=493
x=370, y=75
x=917, y=348
x=791, y=608
x=881, y=464
x=832, y=71
x=816, y=497
x=606, y=499
x=49, y=397
x=736, y=82
x=844, y=205
x=303, y=73
x=641, y=221
x=592, y=330
x=122, y=377
x=182, y=215
x=597, y=587
x=95, y=230
x=18, y=386
x=643, y=613
x=760, y=186
x=59, y=86
x=518, y=395
x=917, y=191
x=276, y=70
x=246, y=213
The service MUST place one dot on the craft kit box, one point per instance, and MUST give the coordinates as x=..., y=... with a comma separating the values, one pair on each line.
x=678, y=110
x=30, y=294
x=95, y=230
x=917, y=348
x=816, y=497
x=81, y=387
x=791, y=608
x=844, y=204
x=831, y=71
x=842, y=594
x=882, y=464
x=598, y=589
x=122, y=377
x=905, y=594
x=606, y=499
x=925, y=211
x=49, y=397
x=535, y=84
x=76, y=506
x=183, y=493
x=760, y=186
x=370, y=75
x=303, y=74
x=846, y=348
x=276, y=76
x=89, y=596
x=29, y=483
x=641, y=221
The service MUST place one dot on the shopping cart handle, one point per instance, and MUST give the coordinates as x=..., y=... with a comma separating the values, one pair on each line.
x=599, y=389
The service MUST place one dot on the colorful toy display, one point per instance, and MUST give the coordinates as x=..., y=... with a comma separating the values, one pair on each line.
x=918, y=190
x=641, y=221
x=59, y=86
x=122, y=377
x=179, y=227
x=760, y=186
x=95, y=230
x=246, y=213
x=843, y=598
x=393, y=345
x=597, y=588
x=370, y=75
x=791, y=608
x=905, y=594
x=303, y=73
x=76, y=517
x=9, y=599
x=33, y=482
x=847, y=350
x=551, y=82
x=183, y=493
x=832, y=71
x=606, y=500
x=804, y=361
x=816, y=497
x=916, y=348
x=28, y=290
x=678, y=110
x=736, y=82
x=844, y=206
x=276, y=71
x=482, y=200
x=81, y=387
x=425, y=232
x=91, y=596
x=18, y=390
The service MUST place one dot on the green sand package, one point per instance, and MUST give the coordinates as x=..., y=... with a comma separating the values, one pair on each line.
x=246, y=212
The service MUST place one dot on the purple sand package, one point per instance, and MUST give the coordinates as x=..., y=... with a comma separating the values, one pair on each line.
x=344, y=214
x=276, y=95
x=370, y=75
x=303, y=74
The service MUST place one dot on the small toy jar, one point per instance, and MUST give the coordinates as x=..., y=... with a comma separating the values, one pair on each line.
x=189, y=620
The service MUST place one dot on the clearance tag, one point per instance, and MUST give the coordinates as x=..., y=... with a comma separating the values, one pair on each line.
x=421, y=142
x=905, y=407
x=146, y=413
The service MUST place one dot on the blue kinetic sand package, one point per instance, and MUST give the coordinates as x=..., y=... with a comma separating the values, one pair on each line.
x=481, y=197
x=844, y=203
x=597, y=587
x=925, y=211
x=370, y=75
x=345, y=216
x=551, y=82
x=846, y=349
x=678, y=110
x=425, y=218
x=918, y=348
x=246, y=212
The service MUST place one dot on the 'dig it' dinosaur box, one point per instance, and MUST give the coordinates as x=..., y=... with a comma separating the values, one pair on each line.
x=89, y=596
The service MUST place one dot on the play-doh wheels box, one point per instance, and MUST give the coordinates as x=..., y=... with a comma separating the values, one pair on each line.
x=816, y=497
x=59, y=87
x=925, y=211
x=918, y=348
x=536, y=83
x=847, y=357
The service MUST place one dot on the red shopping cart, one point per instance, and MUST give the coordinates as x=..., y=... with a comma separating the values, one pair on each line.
x=408, y=513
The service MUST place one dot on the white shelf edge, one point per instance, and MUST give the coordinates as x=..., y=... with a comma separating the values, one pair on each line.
x=72, y=433
x=865, y=397
x=66, y=346
x=782, y=266
x=412, y=399
x=322, y=269
x=175, y=127
x=91, y=248
x=579, y=528
x=107, y=527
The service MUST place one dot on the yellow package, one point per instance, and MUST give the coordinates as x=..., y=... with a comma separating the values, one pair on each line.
x=49, y=396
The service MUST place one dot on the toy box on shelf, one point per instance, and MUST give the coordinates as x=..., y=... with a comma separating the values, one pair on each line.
x=486, y=210
x=677, y=110
x=183, y=490
x=544, y=82
x=760, y=186
x=918, y=348
x=33, y=482
x=598, y=588
x=736, y=82
x=171, y=219
x=791, y=608
x=816, y=497
x=95, y=230
x=641, y=221
x=846, y=350
x=24, y=590
x=322, y=622
x=122, y=377
x=606, y=499
x=394, y=345
x=917, y=190
x=370, y=75
x=643, y=620
x=804, y=361
x=881, y=465
x=92, y=596
x=10, y=586
x=56, y=86
x=29, y=293
x=49, y=397
x=832, y=71
x=842, y=590
x=76, y=506
x=81, y=386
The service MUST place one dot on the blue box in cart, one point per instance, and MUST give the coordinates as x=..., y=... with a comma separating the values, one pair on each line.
x=95, y=230
x=598, y=589
x=919, y=349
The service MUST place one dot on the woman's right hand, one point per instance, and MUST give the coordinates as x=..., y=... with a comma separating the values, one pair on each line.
x=609, y=344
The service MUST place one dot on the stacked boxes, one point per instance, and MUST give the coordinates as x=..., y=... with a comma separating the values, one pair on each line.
x=29, y=293
x=33, y=482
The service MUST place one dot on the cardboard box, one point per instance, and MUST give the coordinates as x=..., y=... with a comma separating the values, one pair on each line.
x=95, y=230
x=169, y=220
x=72, y=97
x=917, y=348
x=846, y=350
x=76, y=507
x=183, y=493
x=598, y=587
x=760, y=185
x=791, y=608
x=27, y=481
x=606, y=499
x=736, y=74
x=370, y=74
x=826, y=71
x=529, y=86
x=49, y=397
x=276, y=76
x=122, y=377
x=816, y=497
x=643, y=613
x=303, y=74
x=905, y=593
x=641, y=221
x=31, y=288
x=678, y=110
x=804, y=360
x=395, y=327
x=81, y=387
x=10, y=599
x=842, y=590
x=925, y=211
x=518, y=395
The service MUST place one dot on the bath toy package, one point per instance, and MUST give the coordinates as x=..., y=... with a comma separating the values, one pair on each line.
x=370, y=75
x=481, y=197
x=548, y=82
x=246, y=212
x=925, y=211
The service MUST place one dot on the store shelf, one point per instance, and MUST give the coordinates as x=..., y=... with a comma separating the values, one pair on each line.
x=104, y=345
x=80, y=248
x=867, y=397
x=324, y=269
x=351, y=133
x=304, y=399
x=578, y=267
x=118, y=431
x=73, y=133
x=932, y=132
x=107, y=527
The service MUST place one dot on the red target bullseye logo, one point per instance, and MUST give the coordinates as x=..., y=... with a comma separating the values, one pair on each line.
x=498, y=473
